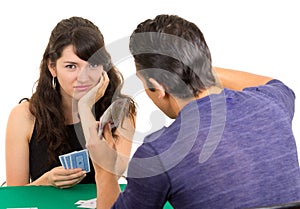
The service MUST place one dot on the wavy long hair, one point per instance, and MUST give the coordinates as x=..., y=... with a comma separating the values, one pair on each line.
x=46, y=102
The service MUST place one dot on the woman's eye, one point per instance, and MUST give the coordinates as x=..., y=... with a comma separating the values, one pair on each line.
x=70, y=66
x=93, y=66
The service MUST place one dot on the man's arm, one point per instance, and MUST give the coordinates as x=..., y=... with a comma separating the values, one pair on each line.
x=108, y=189
x=110, y=159
x=238, y=80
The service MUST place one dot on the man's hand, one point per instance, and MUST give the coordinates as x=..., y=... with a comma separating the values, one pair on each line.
x=112, y=152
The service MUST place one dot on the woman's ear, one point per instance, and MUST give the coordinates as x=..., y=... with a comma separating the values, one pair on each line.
x=158, y=87
x=51, y=67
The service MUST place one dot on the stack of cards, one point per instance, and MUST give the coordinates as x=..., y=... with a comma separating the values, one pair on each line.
x=76, y=159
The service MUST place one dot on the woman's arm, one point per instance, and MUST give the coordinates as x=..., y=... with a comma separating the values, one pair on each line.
x=238, y=80
x=86, y=103
x=18, y=132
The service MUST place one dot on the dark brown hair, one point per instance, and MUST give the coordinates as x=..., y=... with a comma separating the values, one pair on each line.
x=46, y=102
x=173, y=51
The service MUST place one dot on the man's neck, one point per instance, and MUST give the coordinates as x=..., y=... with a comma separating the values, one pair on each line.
x=181, y=103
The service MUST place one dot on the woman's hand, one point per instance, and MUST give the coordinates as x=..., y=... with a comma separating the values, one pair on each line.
x=96, y=93
x=61, y=178
x=86, y=103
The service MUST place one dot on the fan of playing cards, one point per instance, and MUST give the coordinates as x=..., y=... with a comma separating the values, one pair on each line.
x=113, y=115
x=76, y=159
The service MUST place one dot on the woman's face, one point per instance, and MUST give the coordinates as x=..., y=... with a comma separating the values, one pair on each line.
x=75, y=76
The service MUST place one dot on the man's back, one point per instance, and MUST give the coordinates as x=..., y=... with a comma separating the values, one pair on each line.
x=240, y=154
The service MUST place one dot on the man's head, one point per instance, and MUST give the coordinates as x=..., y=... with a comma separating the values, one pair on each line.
x=173, y=52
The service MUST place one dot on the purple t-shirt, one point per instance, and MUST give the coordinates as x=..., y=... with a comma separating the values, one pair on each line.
x=235, y=150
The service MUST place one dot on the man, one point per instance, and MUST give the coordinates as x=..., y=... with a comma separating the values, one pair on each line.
x=231, y=144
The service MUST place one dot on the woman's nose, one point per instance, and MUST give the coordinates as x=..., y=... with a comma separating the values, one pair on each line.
x=82, y=74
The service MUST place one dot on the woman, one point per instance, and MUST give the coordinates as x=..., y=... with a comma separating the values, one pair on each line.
x=48, y=124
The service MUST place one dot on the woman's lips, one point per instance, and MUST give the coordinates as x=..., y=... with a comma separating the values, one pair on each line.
x=82, y=87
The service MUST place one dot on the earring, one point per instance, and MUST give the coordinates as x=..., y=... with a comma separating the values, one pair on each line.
x=54, y=83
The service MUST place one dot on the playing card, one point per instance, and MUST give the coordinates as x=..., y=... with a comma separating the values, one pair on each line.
x=80, y=159
x=76, y=159
x=79, y=202
x=68, y=162
x=114, y=114
x=92, y=203
x=62, y=161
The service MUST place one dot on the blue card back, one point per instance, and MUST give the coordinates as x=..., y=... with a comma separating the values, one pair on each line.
x=80, y=159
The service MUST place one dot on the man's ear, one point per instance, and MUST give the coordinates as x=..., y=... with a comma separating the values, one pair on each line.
x=158, y=87
x=51, y=67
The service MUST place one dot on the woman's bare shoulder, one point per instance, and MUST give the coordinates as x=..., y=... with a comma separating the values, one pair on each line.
x=21, y=119
x=22, y=111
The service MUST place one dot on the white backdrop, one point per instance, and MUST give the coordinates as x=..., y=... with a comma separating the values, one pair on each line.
x=259, y=36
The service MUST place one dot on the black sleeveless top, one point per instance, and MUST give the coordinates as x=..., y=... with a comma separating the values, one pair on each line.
x=39, y=158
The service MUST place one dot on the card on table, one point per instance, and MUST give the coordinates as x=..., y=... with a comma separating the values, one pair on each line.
x=92, y=203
